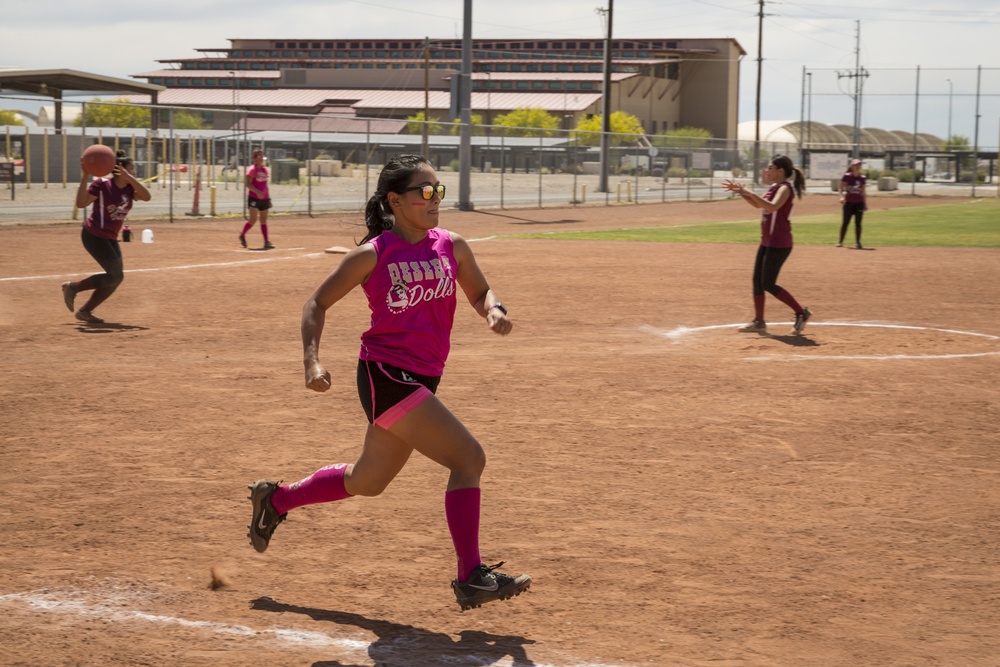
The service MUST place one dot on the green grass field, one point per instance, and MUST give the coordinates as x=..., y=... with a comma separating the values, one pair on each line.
x=971, y=224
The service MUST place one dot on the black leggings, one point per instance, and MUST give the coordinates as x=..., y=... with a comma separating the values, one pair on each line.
x=766, y=270
x=108, y=254
x=856, y=209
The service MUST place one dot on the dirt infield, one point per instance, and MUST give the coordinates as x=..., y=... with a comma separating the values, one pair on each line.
x=681, y=493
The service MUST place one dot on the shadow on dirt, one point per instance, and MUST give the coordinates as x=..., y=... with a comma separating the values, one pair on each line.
x=398, y=644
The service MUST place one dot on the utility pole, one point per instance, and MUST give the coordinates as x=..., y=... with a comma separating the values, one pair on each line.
x=427, y=95
x=760, y=60
x=606, y=101
x=859, y=74
x=464, y=102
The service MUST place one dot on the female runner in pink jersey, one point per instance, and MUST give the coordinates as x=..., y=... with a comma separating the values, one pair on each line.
x=787, y=182
x=410, y=270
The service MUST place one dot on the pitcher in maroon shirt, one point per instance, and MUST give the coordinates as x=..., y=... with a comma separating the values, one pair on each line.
x=854, y=201
x=112, y=199
x=787, y=182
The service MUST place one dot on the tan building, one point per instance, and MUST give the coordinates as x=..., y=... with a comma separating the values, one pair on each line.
x=665, y=83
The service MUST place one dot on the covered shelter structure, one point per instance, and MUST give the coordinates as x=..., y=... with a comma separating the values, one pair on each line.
x=60, y=83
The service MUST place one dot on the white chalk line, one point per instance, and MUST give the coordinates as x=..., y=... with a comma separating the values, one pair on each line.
x=682, y=331
x=182, y=267
x=48, y=602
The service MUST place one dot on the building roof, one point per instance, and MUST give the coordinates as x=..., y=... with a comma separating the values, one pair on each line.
x=59, y=83
x=821, y=136
x=310, y=100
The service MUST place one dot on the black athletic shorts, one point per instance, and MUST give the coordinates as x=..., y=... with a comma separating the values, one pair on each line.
x=388, y=392
x=259, y=204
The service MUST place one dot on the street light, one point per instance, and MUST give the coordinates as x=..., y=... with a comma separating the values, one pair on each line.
x=949, y=113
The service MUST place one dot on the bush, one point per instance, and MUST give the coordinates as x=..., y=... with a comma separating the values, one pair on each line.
x=657, y=172
x=908, y=176
x=454, y=165
x=677, y=172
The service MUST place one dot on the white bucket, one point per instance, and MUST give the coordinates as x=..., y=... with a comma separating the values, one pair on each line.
x=147, y=236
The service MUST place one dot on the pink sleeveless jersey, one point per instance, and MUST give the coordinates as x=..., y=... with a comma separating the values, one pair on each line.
x=776, y=228
x=259, y=176
x=411, y=294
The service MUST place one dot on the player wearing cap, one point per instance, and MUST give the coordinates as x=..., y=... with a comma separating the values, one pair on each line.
x=852, y=197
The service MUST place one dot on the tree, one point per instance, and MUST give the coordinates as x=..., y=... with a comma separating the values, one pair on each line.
x=187, y=120
x=517, y=122
x=415, y=124
x=625, y=129
x=9, y=118
x=477, y=125
x=683, y=137
x=118, y=113
x=956, y=143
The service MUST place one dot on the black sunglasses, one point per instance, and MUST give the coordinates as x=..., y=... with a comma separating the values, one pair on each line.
x=427, y=191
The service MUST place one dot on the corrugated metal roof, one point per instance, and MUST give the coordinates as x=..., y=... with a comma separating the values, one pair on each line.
x=308, y=99
x=220, y=73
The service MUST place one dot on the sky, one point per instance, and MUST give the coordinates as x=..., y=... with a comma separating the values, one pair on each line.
x=810, y=50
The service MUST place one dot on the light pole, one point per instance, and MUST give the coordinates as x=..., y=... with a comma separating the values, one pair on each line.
x=948, y=140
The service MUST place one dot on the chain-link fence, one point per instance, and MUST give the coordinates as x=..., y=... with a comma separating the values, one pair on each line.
x=328, y=163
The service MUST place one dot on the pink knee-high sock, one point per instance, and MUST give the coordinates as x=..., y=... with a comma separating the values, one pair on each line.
x=785, y=297
x=758, y=307
x=263, y=230
x=323, y=486
x=246, y=228
x=461, y=507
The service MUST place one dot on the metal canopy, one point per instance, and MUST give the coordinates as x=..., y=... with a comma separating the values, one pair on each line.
x=60, y=83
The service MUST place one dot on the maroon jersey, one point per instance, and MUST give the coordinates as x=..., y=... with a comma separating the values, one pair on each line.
x=853, y=186
x=111, y=208
x=776, y=228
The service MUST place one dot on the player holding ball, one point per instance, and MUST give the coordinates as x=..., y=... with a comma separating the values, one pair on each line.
x=112, y=199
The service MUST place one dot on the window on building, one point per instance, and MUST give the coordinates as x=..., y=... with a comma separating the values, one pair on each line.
x=211, y=83
x=314, y=54
x=197, y=82
x=316, y=45
x=586, y=85
x=328, y=54
x=286, y=54
x=570, y=45
x=184, y=82
x=506, y=85
x=279, y=45
x=367, y=54
x=303, y=45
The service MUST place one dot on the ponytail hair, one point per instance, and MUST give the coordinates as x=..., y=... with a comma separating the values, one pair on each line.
x=394, y=177
x=784, y=163
x=122, y=159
